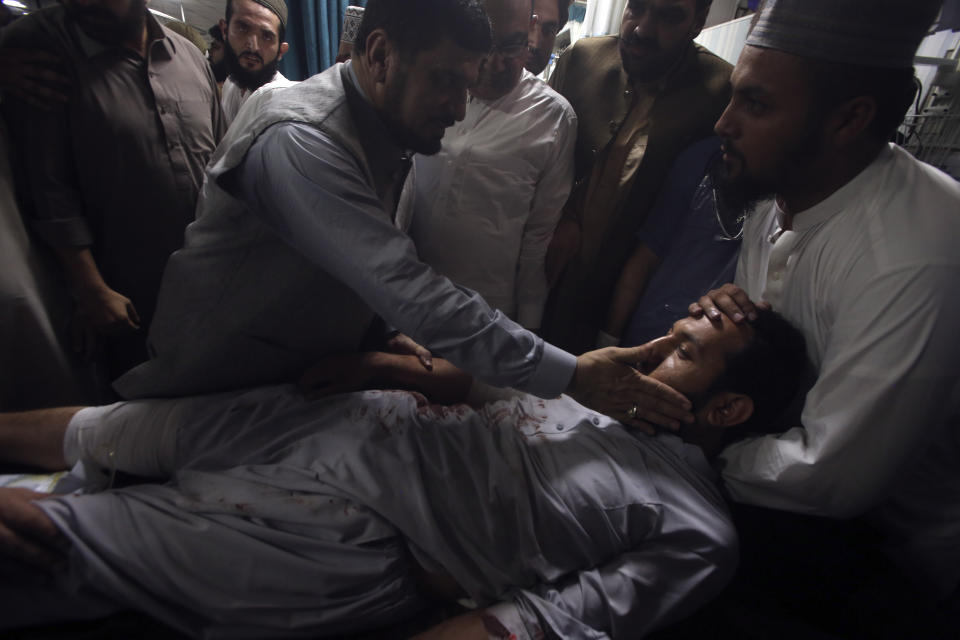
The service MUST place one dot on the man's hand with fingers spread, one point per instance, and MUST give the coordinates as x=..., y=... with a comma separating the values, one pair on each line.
x=610, y=381
x=27, y=535
x=731, y=301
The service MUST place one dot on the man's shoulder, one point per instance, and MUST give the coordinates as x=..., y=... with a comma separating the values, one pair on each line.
x=182, y=47
x=711, y=61
x=590, y=56
x=602, y=47
x=313, y=103
x=318, y=94
x=548, y=100
x=590, y=70
x=709, y=70
x=923, y=177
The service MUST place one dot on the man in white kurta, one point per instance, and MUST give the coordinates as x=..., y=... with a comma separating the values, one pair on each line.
x=868, y=273
x=860, y=251
x=253, y=38
x=233, y=95
x=487, y=204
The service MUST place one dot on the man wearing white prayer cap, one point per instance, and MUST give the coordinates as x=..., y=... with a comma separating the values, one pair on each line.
x=859, y=249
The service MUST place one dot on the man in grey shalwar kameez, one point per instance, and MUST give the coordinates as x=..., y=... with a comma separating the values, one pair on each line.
x=291, y=517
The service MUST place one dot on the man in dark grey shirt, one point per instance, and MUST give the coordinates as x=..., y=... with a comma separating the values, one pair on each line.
x=111, y=179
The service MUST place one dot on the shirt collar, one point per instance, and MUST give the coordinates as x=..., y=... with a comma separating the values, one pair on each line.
x=841, y=199
x=384, y=156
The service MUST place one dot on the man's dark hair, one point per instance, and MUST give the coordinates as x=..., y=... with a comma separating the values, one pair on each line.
x=216, y=33
x=281, y=29
x=413, y=26
x=893, y=90
x=771, y=369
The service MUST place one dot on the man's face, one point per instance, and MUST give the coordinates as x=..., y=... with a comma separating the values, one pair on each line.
x=543, y=34
x=218, y=61
x=510, y=22
x=693, y=356
x=113, y=22
x=253, y=48
x=424, y=95
x=215, y=51
x=655, y=33
x=770, y=136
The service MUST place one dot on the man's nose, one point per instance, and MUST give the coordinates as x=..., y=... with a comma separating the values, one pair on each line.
x=660, y=349
x=646, y=26
x=724, y=126
x=534, y=36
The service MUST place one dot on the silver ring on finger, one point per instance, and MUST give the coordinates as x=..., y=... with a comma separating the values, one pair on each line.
x=632, y=412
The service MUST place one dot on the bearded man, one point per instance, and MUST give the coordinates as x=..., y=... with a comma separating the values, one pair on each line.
x=299, y=237
x=641, y=98
x=858, y=249
x=253, y=33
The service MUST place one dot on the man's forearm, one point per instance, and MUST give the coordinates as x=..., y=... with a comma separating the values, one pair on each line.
x=35, y=438
x=630, y=286
x=445, y=384
x=81, y=270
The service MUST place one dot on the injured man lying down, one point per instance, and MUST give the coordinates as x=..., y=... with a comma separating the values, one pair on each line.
x=286, y=515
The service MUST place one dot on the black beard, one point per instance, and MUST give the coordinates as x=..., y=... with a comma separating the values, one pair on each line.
x=219, y=70
x=736, y=197
x=246, y=79
x=405, y=137
x=104, y=26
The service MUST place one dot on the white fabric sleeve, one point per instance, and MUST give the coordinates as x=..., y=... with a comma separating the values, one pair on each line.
x=133, y=437
x=551, y=193
x=885, y=378
x=325, y=210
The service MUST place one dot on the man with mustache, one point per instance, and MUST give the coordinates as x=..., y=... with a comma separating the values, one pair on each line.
x=253, y=39
x=551, y=16
x=314, y=518
x=487, y=204
x=216, y=55
x=641, y=98
x=299, y=241
x=859, y=249
x=110, y=179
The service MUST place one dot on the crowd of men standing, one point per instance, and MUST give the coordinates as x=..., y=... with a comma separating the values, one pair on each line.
x=435, y=197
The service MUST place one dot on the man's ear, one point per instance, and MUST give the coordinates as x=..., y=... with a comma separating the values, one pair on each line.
x=850, y=119
x=727, y=409
x=284, y=47
x=223, y=29
x=377, y=55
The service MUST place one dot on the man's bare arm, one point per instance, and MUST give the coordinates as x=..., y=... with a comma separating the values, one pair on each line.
x=443, y=384
x=641, y=265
